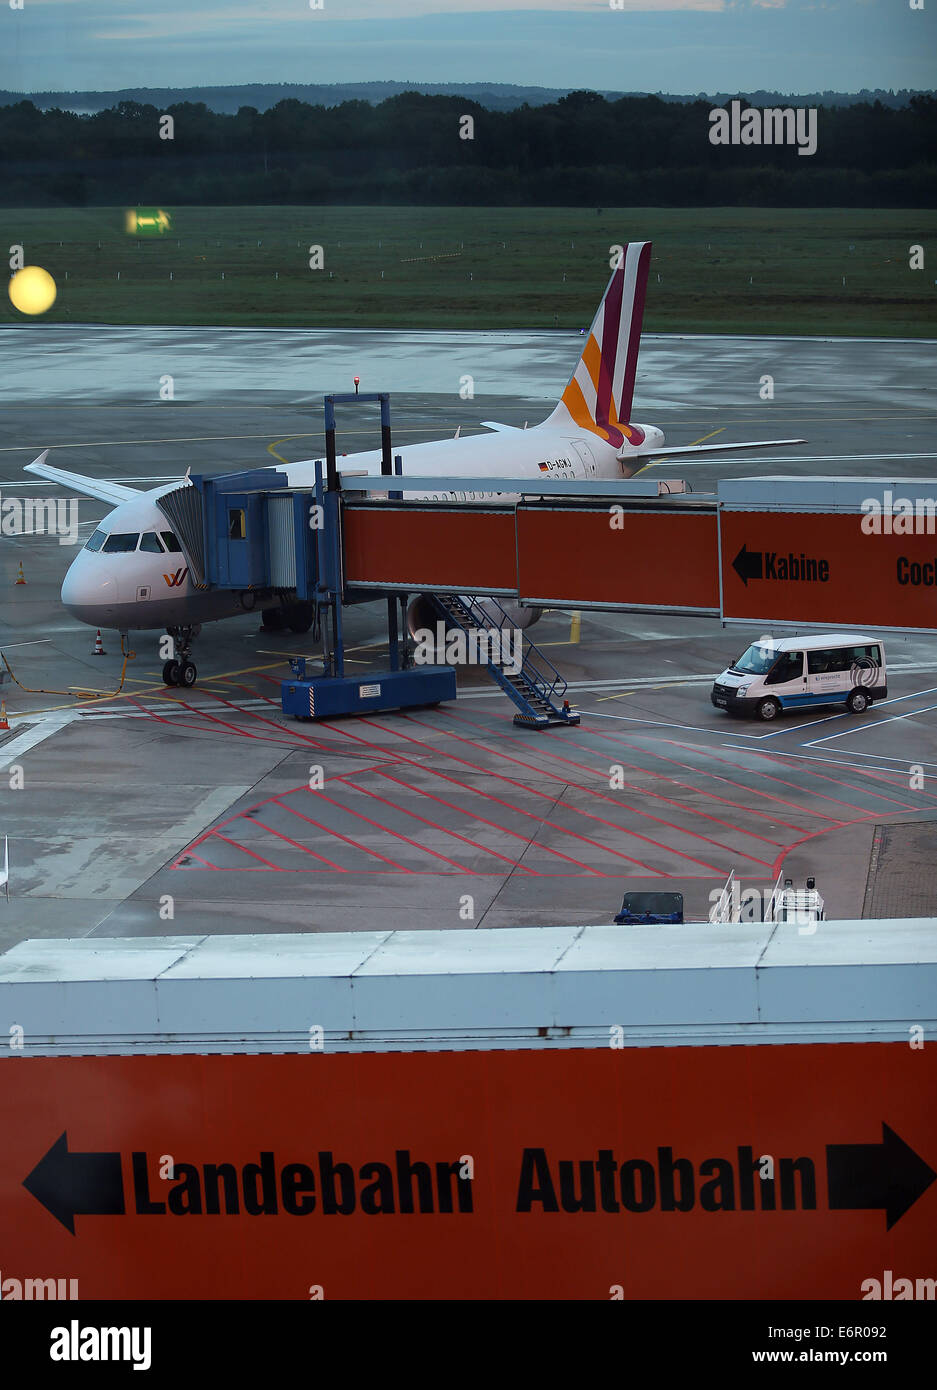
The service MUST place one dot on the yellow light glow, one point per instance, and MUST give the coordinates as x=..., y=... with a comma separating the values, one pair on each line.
x=32, y=290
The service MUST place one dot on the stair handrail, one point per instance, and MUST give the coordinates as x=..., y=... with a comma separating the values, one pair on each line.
x=548, y=683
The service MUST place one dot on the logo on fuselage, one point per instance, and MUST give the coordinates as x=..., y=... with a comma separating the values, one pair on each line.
x=174, y=580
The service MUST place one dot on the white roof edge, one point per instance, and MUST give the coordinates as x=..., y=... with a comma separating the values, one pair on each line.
x=468, y=989
x=470, y=951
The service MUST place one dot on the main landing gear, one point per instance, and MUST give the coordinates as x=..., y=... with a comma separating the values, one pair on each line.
x=181, y=669
x=296, y=616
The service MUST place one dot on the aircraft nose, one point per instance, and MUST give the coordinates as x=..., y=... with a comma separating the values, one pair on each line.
x=87, y=593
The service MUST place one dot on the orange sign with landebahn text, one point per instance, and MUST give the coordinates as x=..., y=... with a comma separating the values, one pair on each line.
x=822, y=568
x=748, y=1172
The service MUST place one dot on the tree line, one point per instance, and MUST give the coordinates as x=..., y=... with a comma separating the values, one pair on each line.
x=583, y=149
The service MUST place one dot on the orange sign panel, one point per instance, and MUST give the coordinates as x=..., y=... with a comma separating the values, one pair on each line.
x=597, y=556
x=822, y=568
x=749, y=1172
x=433, y=548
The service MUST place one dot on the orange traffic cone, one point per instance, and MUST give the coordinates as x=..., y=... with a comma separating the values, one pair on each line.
x=4, y=722
x=98, y=645
x=20, y=576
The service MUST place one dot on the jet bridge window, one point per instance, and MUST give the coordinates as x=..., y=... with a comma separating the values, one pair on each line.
x=119, y=542
x=237, y=524
x=96, y=540
x=170, y=542
x=149, y=541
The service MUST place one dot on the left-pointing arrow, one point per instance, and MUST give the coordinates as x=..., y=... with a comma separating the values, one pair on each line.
x=73, y=1184
x=889, y=1176
x=748, y=564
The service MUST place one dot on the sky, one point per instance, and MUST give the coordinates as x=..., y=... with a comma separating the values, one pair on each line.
x=679, y=46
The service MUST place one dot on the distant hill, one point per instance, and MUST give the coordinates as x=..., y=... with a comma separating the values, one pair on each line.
x=495, y=96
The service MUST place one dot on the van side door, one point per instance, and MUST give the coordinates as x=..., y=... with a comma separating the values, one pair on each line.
x=787, y=680
x=828, y=678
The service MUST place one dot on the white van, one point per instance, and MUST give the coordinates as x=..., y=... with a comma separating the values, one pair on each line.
x=834, y=668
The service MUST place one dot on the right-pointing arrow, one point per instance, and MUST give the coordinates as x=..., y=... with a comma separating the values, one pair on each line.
x=888, y=1176
x=748, y=564
x=70, y=1184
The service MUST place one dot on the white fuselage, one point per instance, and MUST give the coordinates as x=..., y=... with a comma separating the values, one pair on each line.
x=145, y=588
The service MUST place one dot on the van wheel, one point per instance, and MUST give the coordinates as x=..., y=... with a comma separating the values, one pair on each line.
x=768, y=709
x=857, y=702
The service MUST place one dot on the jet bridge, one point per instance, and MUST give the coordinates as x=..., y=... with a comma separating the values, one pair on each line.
x=361, y=539
x=794, y=552
x=632, y=543
x=774, y=552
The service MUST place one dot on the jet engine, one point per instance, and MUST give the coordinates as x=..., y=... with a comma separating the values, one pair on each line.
x=422, y=614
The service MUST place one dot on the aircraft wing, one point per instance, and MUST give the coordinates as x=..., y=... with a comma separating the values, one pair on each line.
x=720, y=448
x=502, y=429
x=100, y=488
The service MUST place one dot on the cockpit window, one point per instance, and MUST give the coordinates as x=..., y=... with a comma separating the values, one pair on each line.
x=119, y=542
x=150, y=541
x=96, y=540
x=170, y=542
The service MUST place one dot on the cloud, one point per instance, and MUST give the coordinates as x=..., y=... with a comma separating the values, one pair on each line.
x=651, y=45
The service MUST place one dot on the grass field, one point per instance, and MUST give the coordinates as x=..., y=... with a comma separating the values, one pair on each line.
x=721, y=270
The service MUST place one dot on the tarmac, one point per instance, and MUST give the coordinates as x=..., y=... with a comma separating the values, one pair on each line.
x=154, y=812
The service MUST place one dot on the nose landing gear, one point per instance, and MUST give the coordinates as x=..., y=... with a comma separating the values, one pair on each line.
x=181, y=669
x=180, y=673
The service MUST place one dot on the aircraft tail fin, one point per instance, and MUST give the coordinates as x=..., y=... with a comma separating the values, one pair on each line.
x=601, y=389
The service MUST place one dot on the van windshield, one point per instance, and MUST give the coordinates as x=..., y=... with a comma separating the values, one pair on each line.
x=757, y=660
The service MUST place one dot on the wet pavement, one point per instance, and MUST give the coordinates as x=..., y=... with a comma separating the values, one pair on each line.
x=155, y=811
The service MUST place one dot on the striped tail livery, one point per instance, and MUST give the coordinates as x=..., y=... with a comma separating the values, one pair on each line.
x=601, y=389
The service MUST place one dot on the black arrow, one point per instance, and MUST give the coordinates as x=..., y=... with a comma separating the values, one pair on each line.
x=748, y=565
x=70, y=1184
x=889, y=1176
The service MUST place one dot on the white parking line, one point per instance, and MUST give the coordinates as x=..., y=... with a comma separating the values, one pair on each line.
x=791, y=729
x=665, y=724
x=844, y=714
x=877, y=725
x=838, y=762
x=38, y=733
x=888, y=757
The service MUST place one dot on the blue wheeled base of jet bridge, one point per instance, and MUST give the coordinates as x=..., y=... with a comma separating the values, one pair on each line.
x=260, y=534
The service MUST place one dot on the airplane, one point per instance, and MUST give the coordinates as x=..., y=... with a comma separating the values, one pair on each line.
x=133, y=573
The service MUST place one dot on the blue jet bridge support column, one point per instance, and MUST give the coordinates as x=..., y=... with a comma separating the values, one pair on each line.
x=332, y=692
